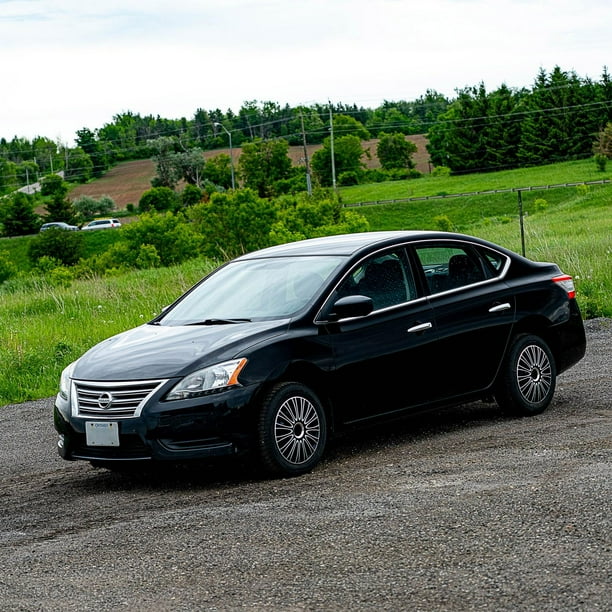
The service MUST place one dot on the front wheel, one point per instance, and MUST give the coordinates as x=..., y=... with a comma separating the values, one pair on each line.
x=527, y=381
x=292, y=430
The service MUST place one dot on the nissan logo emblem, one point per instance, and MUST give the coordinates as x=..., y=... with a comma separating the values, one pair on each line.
x=105, y=400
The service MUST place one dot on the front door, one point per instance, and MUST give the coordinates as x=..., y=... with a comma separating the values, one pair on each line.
x=383, y=362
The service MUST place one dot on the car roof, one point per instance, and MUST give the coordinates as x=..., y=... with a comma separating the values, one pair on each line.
x=350, y=244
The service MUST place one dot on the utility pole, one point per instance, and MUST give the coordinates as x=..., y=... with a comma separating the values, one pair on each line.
x=308, y=180
x=521, y=221
x=229, y=135
x=333, y=160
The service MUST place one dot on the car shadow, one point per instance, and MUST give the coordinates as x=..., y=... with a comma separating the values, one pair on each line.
x=412, y=428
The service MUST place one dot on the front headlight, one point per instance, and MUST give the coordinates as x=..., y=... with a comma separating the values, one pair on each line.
x=65, y=381
x=207, y=379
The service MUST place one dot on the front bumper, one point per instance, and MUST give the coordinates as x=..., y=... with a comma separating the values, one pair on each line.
x=216, y=425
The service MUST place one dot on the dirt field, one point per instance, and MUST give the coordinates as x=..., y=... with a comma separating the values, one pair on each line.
x=460, y=510
x=126, y=182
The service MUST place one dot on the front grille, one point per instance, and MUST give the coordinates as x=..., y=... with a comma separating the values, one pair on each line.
x=113, y=400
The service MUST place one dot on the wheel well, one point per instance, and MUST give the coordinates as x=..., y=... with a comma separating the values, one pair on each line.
x=314, y=379
x=539, y=326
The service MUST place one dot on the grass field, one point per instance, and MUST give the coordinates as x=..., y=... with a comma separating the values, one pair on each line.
x=44, y=327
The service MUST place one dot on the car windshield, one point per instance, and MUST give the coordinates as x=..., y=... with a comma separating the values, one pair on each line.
x=255, y=289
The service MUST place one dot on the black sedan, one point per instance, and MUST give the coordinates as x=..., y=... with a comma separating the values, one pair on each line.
x=278, y=349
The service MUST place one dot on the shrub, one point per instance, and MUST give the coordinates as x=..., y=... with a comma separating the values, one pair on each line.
x=540, y=205
x=173, y=239
x=61, y=276
x=375, y=175
x=601, y=161
x=191, y=195
x=234, y=223
x=582, y=190
x=443, y=223
x=148, y=257
x=159, y=199
x=64, y=246
x=312, y=216
x=348, y=178
x=441, y=171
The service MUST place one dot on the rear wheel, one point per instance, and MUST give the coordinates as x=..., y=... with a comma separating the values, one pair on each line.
x=527, y=381
x=292, y=430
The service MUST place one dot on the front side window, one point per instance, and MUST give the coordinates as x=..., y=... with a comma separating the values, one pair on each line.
x=384, y=278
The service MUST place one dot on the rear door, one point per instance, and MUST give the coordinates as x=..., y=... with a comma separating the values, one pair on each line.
x=474, y=311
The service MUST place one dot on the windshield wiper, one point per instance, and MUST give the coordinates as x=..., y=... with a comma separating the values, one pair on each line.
x=219, y=321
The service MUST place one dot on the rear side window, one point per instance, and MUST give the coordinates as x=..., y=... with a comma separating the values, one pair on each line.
x=452, y=266
x=496, y=261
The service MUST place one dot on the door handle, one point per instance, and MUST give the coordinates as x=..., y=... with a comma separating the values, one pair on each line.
x=500, y=307
x=421, y=327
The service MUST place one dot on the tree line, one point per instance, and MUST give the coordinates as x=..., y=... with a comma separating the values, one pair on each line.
x=558, y=118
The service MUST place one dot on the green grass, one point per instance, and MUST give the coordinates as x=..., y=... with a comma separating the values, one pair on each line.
x=16, y=250
x=430, y=185
x=44, y=327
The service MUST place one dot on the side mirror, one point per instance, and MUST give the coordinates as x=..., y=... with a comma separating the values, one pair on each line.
x=351, y=306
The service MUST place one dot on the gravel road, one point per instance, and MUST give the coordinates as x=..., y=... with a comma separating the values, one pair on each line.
x=457, y=510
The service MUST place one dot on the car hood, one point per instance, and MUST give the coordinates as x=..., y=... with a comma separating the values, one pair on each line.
x=155, y=351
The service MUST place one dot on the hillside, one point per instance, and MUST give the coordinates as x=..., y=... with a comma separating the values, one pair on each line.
x=126, y=182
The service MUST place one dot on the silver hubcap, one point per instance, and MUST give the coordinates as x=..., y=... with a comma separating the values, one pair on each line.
x=297, y=430
x=534, y=374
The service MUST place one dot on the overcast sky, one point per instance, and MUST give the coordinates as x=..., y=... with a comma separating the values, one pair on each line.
x=69, y=64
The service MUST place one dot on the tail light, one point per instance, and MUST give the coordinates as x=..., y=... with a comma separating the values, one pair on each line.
x=567, y=283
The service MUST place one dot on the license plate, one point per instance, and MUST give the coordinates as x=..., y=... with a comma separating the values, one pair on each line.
x=102, y=434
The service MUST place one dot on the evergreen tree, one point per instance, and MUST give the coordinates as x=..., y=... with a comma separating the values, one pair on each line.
x=536, y=146
x=61, y=209
x=558, y=124
x=18, y=217
x=54, y=190
x=603, y=99
x=459, y=139
x=503, y=131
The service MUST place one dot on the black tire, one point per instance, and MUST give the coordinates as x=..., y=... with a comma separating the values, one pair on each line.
x=528, y=377
x=292, y=430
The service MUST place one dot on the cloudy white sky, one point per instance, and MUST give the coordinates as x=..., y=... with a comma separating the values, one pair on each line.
x=69, y=64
